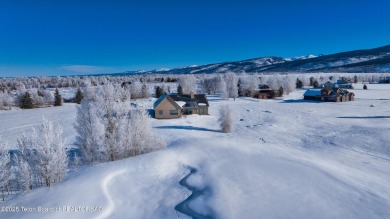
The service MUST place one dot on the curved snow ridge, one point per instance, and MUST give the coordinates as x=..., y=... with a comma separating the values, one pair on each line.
x=184, y=207
x=111, y=205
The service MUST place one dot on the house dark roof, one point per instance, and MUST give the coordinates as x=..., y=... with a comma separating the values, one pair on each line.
x=191, y=104
x=264, y=86
x=198, y=98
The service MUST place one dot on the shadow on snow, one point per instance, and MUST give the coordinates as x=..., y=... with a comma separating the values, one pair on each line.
x=186, y=128
x=301, y=101
x=364, y=117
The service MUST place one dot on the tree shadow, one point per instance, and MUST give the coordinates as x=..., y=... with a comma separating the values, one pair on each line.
x=301, y=101
x=186, y=128
x=364, y=117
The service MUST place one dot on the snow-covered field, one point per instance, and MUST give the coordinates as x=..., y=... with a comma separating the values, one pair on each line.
x=14, y=122
x=286, y=158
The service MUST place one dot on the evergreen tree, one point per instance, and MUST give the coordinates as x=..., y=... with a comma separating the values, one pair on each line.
x=159, y=91
x=180, y=90
x=239, y=86
x=364, y=87
x=312, y=81
x=315, y=84
x=26, y=102
x=299, y=83
x=280, y=91
x=57, y=98
x=79, y=96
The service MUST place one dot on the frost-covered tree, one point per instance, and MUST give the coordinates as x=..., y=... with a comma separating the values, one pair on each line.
x=50, y=152
x=90, y=131
x=42, y=155
x=112, y=106
x=6, y=101
x=223, y=92
x=4, y=167
x=145, y=93
x=136, y=89
x=225, y=119
x=48, y=97
x=26, y=156
x=143, y=140
x=275, y=82
x=164, y=88
x=23, y=173
x=37, y=98
x=188, y=83
x=231, y=85
x=108, y=131
x=288, y=84
x=248, y=84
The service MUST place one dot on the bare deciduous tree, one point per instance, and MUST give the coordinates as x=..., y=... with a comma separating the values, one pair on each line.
x=225, y=119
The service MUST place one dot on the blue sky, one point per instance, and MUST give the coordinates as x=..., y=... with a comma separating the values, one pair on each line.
x=79, y=37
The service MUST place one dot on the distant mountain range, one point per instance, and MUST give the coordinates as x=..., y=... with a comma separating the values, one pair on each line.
x=358, y=61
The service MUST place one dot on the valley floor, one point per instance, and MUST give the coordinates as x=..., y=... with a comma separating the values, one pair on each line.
x=286, y=158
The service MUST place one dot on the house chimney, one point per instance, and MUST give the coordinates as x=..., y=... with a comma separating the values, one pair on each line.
x=192, y=95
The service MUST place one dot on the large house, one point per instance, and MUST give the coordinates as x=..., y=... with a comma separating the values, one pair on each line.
x=329, y=94
x=175, y=105
x=344, y=83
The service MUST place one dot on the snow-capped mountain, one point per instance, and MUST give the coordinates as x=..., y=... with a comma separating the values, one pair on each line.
x=301, y=57
x=233, y=66
x=369, y=60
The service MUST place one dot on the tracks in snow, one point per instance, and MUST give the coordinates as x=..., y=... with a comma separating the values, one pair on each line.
x=184, y=207
x=111, y=205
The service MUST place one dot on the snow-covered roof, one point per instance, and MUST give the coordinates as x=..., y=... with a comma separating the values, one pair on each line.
x=180, y=103
x=169, y=99
x=160, y=99
x=312, y=92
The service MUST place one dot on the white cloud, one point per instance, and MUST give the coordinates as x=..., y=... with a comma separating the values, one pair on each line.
x=86, y=68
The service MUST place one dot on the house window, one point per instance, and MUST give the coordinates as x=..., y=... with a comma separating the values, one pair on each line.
x=187, y=111
x=160, y=112
x=174, y=112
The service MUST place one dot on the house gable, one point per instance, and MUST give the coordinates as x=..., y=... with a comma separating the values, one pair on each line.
x=166, y=99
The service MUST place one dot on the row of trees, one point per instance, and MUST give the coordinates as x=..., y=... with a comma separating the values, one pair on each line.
x=224, y=84
x=30, y=99
x=228, y=85
x=26, y=101
x=186, y=81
